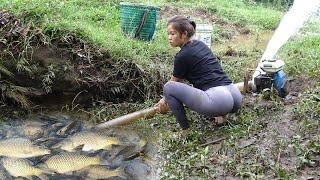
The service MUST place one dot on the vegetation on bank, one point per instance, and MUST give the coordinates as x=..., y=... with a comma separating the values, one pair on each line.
x=98, y=22
x=259, y=140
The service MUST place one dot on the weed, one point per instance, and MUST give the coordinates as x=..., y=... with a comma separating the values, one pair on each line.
x=4, y=70
x=48, y=78
x=301, y=152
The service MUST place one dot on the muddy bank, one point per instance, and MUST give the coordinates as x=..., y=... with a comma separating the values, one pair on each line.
x=37, y=65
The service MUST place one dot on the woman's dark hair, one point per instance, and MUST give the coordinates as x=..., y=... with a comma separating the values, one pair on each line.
x=183, y=24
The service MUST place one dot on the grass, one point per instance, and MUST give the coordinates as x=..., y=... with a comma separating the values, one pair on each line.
x=304, y=61
x=255, y=161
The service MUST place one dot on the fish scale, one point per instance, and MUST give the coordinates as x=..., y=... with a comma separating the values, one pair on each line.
x=68, y=162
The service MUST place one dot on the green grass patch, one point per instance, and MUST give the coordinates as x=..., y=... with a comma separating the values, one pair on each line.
x=302, y=53
x=95, y=22
x=98, y=22
x=235, y=12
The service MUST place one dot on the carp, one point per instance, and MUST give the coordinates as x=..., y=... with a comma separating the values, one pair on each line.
x=132, y=151
x=21, y=148
x=101, y=172
x=90, y=141
x=69, y=162
x=21, y=167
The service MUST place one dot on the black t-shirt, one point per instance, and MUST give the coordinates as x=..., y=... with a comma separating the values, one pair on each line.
x=196, y=63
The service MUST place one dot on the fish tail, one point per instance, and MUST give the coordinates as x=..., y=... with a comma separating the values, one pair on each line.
x=57, y=145
x=87, y=148
x=114, y=141
x=102, y=160
x=119, y=172
x=43, y=169
x=43, y=177
x=47, y=151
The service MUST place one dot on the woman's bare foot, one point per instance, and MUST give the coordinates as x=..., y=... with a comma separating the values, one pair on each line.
x=220, y=120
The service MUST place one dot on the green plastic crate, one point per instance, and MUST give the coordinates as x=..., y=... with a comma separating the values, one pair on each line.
x=139, y=21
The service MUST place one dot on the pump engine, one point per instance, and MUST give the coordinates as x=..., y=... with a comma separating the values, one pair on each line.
x=271, y=75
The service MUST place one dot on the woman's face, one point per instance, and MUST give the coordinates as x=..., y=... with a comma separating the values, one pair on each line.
x=175, y=38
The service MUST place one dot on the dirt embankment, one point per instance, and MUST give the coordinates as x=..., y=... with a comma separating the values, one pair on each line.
x=59, y=65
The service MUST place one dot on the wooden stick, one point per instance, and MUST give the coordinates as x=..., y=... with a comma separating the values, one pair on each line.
x=126, y=119
x=241, y=86
x=213, y=142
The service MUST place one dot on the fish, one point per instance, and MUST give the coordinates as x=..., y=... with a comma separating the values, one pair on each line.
x=63, y=131
x=21, y=148
x=18, y=167
x=91, y=141
x=31, y=128
x=33, y=131
x=138, y=169
x=133, y=151
x=102, y=172
x=69, y=162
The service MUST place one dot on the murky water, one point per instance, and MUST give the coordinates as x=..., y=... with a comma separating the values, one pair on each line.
x=290, y=24
x=135, y=156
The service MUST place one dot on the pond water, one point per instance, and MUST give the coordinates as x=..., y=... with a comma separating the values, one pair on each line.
x=132, y=156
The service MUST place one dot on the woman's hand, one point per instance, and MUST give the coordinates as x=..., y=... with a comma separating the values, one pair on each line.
x=163, y=106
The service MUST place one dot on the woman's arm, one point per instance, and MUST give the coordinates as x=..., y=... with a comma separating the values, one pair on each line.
x=162, y=105
x=176, y=79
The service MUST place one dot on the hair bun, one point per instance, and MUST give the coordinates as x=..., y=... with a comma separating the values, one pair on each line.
x=191, y=22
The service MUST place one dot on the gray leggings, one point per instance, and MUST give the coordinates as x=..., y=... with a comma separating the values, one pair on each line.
x=216, y=101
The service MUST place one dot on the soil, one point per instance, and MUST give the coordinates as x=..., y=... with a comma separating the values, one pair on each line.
x=273, y=143
x=201, y=15
x=68, y=66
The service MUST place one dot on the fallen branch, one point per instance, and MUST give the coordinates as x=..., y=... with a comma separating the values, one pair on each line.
x=213, y=142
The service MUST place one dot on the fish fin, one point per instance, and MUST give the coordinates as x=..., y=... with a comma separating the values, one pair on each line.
x=103, y=161
x=70, y=173
x=58, y=145
x=94, y=153
x=76, y=148
x=117, y=161
x=44, y=158
x=44, y=169
x=43, y=177
x=87, y=148
x=70, y=149
x=121, y=173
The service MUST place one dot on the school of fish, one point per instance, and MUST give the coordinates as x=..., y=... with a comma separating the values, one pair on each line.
x=82, y=153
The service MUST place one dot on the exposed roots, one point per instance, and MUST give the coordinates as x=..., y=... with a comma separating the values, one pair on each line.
x=64, y=64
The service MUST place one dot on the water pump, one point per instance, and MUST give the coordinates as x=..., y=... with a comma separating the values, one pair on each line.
x=270, y=74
